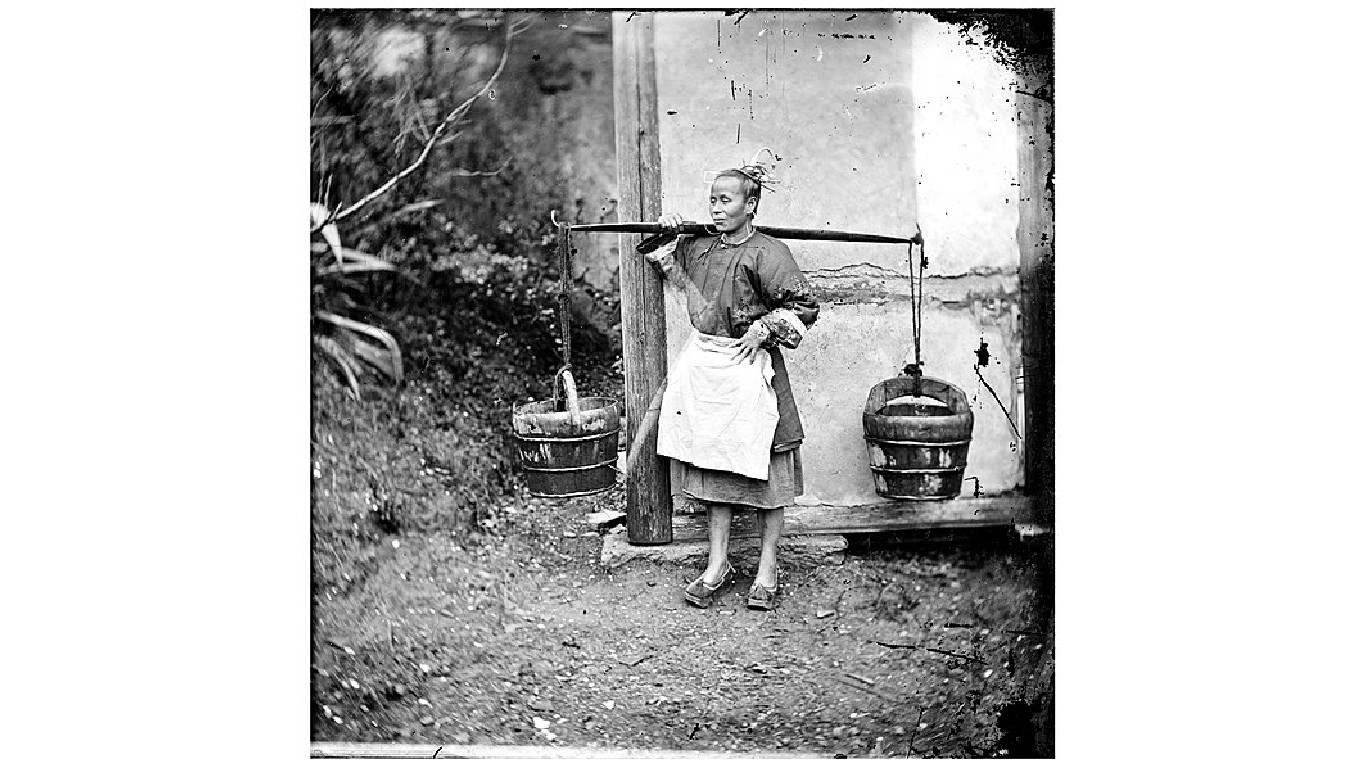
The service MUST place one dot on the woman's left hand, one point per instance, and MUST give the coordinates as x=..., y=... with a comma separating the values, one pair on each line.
x=750, y=344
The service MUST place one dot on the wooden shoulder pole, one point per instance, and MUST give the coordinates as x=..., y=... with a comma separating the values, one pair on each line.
x=649, y=506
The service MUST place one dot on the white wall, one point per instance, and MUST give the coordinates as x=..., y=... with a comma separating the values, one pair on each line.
x=881, y=121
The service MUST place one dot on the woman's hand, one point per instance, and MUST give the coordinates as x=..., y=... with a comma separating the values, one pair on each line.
x=658, y=247
x=751, y=343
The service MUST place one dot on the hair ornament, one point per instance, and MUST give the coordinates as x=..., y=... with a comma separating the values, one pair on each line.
x=760, y=172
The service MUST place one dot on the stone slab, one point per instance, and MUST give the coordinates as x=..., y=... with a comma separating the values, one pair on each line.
x=744, y=553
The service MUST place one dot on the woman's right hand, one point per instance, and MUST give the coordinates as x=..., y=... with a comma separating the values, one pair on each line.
x=671, y=221
x=658, y=247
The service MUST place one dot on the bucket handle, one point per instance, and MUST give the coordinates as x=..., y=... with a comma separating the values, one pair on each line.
x=571, y=394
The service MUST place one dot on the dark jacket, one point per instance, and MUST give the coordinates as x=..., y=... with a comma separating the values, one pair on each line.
x=737, y=286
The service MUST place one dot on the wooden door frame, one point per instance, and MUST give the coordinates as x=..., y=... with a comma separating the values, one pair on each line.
x=644, y=351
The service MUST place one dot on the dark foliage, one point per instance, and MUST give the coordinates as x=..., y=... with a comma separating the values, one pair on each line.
x=473, y=301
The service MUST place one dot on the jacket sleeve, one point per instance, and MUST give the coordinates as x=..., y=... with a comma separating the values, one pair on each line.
x=671, y=260
x=788, y=296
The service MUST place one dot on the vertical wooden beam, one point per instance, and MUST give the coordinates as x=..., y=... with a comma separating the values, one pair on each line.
x=649, y=506
x=1035, y=236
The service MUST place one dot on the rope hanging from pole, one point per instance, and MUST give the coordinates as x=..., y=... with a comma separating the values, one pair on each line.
x=566, y=348
x=917, y=268
x=915, y=310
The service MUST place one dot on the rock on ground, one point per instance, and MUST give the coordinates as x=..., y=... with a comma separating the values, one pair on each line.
x=606, y=518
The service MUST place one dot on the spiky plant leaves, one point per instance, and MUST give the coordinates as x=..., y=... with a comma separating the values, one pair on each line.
x=353, y=261
x=378, y=357
x=344, y=361
x=348, y=343
x=395, y=367
x=319, y=213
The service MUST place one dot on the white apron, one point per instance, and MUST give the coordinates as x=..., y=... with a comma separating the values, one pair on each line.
x=717, y=412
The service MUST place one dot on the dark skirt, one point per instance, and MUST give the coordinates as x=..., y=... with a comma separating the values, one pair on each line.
x=783, y=486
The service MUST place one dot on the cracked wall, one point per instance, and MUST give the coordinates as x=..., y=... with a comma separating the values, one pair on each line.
x=881, y=119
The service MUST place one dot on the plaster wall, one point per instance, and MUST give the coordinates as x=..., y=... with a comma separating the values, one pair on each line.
x=881, y=120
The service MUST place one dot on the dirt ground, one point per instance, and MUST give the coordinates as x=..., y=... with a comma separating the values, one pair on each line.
x=520, y=636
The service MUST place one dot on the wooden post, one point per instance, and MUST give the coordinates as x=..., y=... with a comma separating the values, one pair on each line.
x=1035, y=236
x=649, y=505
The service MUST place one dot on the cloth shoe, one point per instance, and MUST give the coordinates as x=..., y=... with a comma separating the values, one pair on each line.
x=701, y=594
x=762, y=598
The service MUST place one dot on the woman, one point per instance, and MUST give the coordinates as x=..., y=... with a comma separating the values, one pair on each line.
x=728, y=412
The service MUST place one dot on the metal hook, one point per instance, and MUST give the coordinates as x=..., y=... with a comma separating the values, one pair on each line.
x=976, y=486
x=553, y=220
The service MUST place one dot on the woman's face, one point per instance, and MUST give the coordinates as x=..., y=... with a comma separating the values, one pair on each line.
x=730, y=209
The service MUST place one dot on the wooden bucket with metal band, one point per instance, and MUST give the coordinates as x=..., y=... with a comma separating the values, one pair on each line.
x=568, y=452
x=917, y=445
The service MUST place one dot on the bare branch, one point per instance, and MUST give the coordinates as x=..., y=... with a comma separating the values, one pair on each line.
x=313, y=112
x=415, y=207
x=436, y=134
x=450, y=138
x=494, y=172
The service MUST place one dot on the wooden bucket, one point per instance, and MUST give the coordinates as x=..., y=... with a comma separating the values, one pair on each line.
x=568, y=453
x=918, y=449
